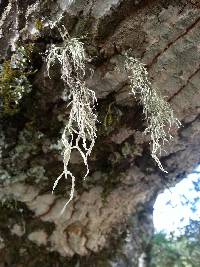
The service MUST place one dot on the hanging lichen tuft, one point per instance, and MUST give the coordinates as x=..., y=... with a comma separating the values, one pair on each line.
x=158, y=114
x=80, y=130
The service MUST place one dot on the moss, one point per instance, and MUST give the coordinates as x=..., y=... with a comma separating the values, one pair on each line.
x=30, y=50
x=14, y=83
x=38, y=24
x=110, y=117
x=8, y=75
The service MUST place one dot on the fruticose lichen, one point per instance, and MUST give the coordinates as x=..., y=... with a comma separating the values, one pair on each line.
x=80, y=130
x=158, y=114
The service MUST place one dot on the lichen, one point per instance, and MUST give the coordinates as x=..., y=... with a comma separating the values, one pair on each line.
x=158, y=114
x=80, y=131
x=28, y=145
x=131, y=150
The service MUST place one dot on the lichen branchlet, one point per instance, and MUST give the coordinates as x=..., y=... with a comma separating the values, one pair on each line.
x=158, y=114
x=80, y=131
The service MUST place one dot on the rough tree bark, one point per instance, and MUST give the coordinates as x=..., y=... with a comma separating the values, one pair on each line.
x=109, y=222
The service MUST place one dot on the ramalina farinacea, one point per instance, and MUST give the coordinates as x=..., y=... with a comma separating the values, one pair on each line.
x=80, y=131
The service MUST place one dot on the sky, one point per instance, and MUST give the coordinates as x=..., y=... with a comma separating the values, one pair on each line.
x=170, y=213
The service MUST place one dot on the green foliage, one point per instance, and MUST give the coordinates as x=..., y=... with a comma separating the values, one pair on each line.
x=182, y=246
x=171, y=251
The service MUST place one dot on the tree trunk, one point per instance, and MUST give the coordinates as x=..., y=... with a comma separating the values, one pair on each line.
x=109, y=221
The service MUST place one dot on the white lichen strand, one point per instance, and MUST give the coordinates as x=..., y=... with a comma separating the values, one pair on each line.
x=31, y=9
x=14, y=40
x=158, y=113
x=80, y=130
x=71, y=57
x=70, y=2
x=12, y=7
x=4, y=16
x=63, y=4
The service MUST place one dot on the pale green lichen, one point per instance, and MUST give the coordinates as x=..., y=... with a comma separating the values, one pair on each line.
x=130, y=150
x=159, y=115
x=80, y=130
x=28, y=145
